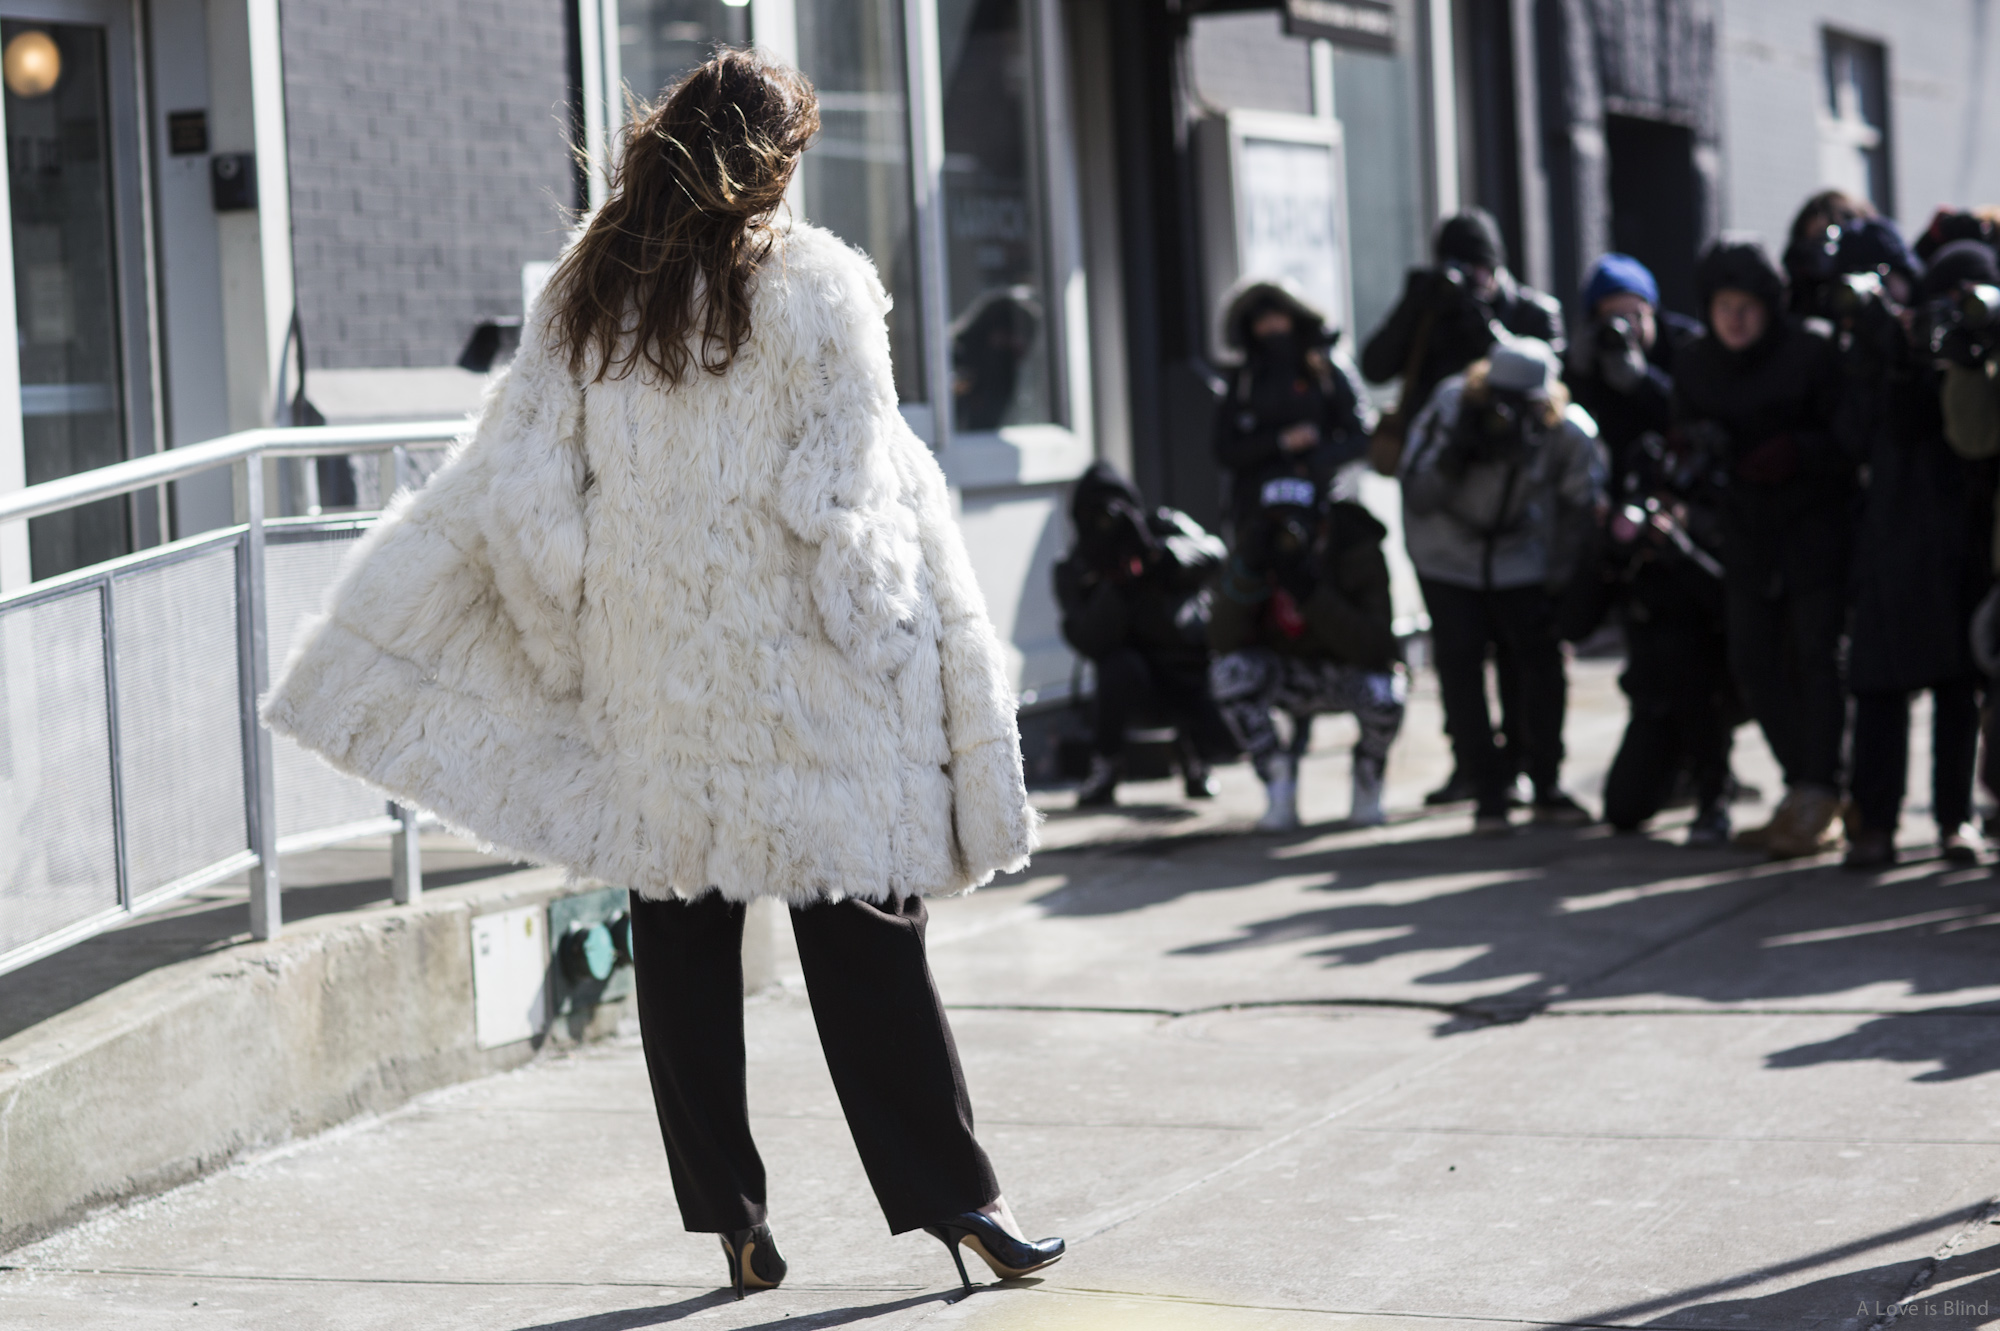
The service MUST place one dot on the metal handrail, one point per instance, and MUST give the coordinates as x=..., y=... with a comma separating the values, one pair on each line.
x=246, y=447
x=140, y=473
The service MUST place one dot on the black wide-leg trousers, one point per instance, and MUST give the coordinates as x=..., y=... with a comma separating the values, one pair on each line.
x=881, y=1025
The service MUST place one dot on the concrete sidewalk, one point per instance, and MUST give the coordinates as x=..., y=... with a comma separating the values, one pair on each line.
x=1341, y=1079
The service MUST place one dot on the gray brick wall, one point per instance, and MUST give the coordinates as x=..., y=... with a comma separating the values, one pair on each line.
x=427, y=164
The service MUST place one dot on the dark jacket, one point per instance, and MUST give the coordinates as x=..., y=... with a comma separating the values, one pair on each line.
x=1461, y=329
x=1263, y=400
x=1922, y=545
x=1139, y=580
x=1340, y=598
x=1768, y=414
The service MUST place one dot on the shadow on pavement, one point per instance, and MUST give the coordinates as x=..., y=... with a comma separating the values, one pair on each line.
x=1830, y=1301
x=1583, y=917
x=634, y=1319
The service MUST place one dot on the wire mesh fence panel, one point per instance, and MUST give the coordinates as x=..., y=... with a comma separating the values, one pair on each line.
x=298, y=571
x=180, y=707
x=58, y=850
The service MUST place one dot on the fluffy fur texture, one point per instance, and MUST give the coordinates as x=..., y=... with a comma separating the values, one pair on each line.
x=720, y=637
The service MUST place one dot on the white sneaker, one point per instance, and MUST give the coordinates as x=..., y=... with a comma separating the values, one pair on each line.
x=1281, y=788
x=1367, y=809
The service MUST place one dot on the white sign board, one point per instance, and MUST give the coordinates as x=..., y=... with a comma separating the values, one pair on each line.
x=1287, y=204
x=510, y=967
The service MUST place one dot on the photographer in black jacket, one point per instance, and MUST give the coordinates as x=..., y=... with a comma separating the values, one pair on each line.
x=1448, y=312
x=1760, y=393
x=1295, y=407
x=1656, y=559
x=1923, y=548
x=1133, y=599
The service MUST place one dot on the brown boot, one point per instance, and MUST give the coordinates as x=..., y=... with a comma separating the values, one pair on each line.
x=1805, y=824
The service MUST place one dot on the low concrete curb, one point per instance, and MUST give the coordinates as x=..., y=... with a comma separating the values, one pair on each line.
x=176, y=1073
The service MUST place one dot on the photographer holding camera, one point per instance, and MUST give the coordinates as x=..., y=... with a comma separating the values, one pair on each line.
x=1759, y=394
x=1501, y=483
x=1448, y=318
x=1302, y=624
x=1920, y=546
x=1295, y=407
x=1133, y=599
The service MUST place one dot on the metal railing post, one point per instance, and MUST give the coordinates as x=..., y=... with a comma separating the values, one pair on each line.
x=406, y=857
x=266, y=912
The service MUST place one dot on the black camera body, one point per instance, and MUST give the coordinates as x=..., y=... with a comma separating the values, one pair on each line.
x=1280, y=535
x=1962, y=327
x=1490, y=430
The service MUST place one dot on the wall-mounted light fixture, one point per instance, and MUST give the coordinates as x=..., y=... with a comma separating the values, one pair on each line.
x=31, y=64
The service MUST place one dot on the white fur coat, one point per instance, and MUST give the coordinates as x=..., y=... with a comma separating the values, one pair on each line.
x=721, y=636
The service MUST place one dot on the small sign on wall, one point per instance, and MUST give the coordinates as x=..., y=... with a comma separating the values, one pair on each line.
x=1367, y=24
x=510, y=973
x=1274, y=207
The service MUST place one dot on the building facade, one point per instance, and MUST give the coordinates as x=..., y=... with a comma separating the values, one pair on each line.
x=230, y=213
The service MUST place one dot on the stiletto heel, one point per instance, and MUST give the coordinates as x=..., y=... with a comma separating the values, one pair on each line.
x=1009, y=1257
x=754, y=1261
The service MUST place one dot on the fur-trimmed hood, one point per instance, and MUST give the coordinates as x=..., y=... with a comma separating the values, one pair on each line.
x=724, y=636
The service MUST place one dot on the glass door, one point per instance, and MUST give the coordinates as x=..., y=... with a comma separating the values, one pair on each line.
x=73, y=198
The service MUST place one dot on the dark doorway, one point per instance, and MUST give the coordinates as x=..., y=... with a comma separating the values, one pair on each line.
x=1656, y=203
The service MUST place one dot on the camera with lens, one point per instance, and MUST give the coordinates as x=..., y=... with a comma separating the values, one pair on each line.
x=1490, y=429
x=1963, y=326
x=1116, y=540
x=1280, y=535
x=1666, y=508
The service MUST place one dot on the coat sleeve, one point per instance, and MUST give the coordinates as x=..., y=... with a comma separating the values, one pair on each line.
x=996, y=826
x=839, y=491
x=865, y=491
x=1425, y=487
x=533, y=518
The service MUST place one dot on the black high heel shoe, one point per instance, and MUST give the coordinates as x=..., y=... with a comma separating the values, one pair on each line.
x=1010, y=1258
x=754, y=1262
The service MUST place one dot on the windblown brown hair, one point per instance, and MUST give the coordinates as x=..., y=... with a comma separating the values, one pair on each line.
x=660, y=277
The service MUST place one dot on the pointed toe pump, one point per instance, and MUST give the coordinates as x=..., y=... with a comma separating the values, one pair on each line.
x=754, y=1262
x=1010, y=1258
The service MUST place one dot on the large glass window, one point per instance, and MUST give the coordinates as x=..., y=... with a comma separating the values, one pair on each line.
x=856, y=179
x=660, y=40
x=1375, y=97
x=994, y=218
x=65, y=279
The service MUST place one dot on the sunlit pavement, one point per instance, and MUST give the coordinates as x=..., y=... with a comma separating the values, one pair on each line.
x=1340, y=1079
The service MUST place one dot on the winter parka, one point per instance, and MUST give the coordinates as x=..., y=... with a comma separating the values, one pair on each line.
x=1498, y=525
x=719, y=636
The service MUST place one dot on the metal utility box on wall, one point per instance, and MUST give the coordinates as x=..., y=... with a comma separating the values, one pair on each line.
x=1273, y=204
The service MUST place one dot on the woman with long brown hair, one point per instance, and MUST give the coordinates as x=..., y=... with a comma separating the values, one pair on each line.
x=688, y=612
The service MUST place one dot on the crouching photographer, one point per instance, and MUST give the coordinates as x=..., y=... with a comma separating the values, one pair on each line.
x=1501, y=484
x=1133, y=600
x=1658, y=567
x=1302, y=625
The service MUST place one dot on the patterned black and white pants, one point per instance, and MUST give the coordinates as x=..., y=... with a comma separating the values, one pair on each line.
x=1252, y=684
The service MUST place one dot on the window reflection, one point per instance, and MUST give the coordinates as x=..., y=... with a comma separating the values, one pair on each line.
x=855, y=180
x=65, y=281
x=660, y=40
x=993, y=216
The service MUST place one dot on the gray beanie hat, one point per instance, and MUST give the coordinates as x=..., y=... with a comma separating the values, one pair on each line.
x=1524, y=365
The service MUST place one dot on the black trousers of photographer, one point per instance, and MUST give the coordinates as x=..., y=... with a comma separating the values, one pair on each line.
x=1519, y=621
x=1882, y=754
